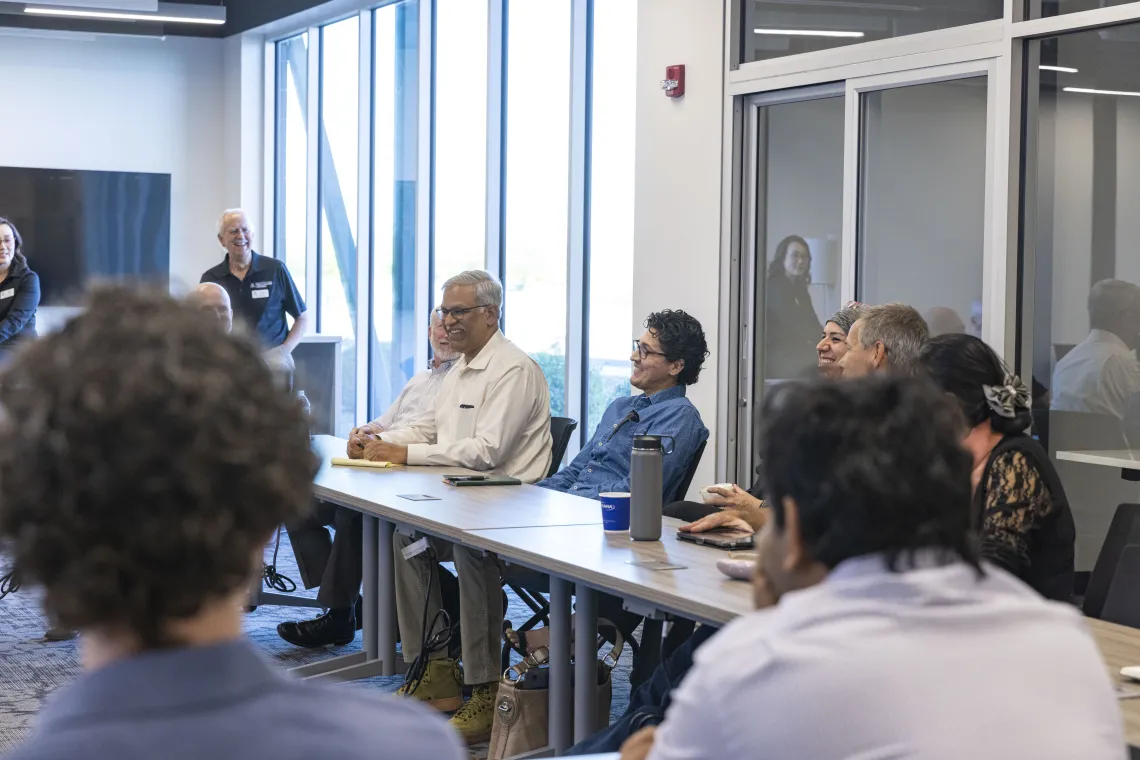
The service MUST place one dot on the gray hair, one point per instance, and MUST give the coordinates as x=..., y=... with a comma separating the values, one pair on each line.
x=1109, y=299
x=901, y=330
x=231, y=212
x=488, y=290
x=848, y=315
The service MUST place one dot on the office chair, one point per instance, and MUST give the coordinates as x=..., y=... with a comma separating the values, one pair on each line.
x=1122, y=604
x=561, y=428
x=1122, y=533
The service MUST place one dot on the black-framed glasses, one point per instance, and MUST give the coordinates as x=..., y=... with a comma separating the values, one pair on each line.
x=457, y=313
x=644, y=352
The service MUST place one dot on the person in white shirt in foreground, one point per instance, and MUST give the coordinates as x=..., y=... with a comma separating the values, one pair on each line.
x=879, y=633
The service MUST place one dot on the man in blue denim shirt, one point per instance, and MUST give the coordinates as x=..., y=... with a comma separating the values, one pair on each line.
x=666, y=360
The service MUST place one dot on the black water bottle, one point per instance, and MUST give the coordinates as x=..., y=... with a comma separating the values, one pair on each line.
x=645, y=486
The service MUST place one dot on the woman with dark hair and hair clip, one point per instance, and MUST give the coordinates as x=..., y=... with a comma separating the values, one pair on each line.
x=19, y=292
x=791, y=326
x=1019, y=505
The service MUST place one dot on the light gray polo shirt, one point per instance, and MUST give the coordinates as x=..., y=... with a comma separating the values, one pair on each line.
x=932, y=663
x=226, y=703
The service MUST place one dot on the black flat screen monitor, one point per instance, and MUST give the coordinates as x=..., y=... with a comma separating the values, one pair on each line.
x=83, y=227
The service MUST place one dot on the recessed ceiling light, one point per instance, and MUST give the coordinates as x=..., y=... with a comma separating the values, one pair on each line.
x=164, y=15
x=808, y=33
x=1089, y=91
x=1062, y=69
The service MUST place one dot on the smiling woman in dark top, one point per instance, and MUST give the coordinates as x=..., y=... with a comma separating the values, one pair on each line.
x=19, y=292
x=791, y=326
x=1019, y=506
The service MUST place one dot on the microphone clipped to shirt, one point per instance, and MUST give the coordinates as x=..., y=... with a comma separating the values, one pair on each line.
x=633, y=416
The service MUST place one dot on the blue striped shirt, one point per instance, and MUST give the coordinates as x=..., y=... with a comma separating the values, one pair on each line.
x=603, y=465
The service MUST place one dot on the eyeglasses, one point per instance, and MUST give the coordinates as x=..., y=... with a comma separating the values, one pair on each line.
x=442, y=313
x=644, y=352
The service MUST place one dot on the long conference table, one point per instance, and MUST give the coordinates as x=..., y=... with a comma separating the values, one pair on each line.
x=561, y=536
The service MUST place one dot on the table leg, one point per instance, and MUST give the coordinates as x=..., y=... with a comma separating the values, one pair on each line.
x=585, y=662
x=386, y=597
x=371, y=576
x=560, y=687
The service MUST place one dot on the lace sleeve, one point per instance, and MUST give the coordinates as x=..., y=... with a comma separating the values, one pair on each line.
x=1015, y=504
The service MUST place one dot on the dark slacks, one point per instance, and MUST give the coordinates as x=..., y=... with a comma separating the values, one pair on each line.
x=334, y=564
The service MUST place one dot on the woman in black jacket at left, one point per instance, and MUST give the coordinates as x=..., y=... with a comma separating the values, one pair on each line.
x=19, y=292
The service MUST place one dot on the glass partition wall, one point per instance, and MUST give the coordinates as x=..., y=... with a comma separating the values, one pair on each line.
x=988, y=176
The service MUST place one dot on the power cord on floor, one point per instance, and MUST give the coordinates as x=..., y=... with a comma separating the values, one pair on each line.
x=274, y=579
x=430, y=643
x=9, y=584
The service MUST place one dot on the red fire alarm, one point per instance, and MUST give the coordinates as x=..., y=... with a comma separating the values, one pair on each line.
x=674, y=82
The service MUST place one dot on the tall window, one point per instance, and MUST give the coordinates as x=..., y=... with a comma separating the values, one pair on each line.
x=291, y=220
x=395, y=134
x=1082, y=290
x=537, y=180
x=339, y=160
x=922, y=200
x=611, y=326
x=460, y=183
x=776, y=28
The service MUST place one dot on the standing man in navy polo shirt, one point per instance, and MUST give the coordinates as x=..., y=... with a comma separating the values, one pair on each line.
x=261, y=290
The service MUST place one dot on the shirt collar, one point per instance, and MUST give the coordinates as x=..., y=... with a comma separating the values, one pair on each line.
x=255, y=264
x=483, y=358
x=1104, y=336
x=164, y=681
x=677, y=391
x=443, y=367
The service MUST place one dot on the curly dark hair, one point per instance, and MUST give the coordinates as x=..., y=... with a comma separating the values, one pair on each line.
x=682, y=338
x=144, y=458
x=960, y=365
x=874, y=466
x=19, y=255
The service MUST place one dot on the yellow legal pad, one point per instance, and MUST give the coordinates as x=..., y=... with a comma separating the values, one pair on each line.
x=346, y=462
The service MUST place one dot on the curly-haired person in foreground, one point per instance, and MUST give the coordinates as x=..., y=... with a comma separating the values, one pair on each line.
x=138, y=491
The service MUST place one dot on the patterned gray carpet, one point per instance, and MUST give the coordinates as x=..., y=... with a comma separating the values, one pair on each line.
x=32, y=668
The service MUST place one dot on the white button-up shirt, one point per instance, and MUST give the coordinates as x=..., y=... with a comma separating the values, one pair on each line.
x=492, y=415
x=415, y=399
x=1098, y=376
x=933, y=663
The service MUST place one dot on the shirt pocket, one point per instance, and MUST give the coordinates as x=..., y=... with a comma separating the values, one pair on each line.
x=465, y=421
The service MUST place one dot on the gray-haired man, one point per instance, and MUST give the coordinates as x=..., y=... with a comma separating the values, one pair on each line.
x=886, y=337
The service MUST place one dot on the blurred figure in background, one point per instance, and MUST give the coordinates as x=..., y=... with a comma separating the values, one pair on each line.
x=943, y=320
x=791, y=326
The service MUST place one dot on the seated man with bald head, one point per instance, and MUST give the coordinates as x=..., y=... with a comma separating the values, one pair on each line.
x=212, y=298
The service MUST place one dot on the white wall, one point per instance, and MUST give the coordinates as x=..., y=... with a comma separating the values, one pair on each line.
x=118, y=103
x=678, y=180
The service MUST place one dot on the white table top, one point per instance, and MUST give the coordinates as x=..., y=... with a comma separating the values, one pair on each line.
x=1127, y=459
x=588, y=554
x=457, y=511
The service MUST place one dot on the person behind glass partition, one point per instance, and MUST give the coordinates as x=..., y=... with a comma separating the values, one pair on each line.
x=1100, y=374
x=791, y=326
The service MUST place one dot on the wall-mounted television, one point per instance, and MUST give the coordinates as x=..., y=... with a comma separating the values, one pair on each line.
x=81, y=227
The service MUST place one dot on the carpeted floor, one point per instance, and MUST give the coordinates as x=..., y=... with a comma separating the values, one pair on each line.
x=32, y=668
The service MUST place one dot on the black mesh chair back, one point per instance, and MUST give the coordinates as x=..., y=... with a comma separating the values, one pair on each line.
x=561, y=428
x=1124, y=531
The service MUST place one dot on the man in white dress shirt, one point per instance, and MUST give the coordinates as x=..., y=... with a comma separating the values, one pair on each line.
x=1100, y=374
x=337, y=564
x=879, y=632
x=492, y=415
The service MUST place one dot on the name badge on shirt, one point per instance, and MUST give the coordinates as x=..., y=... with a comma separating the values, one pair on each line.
x=8, y=293
x=266, y=284
x=260, y=294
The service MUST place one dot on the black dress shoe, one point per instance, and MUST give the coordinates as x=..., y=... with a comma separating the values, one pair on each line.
x=335, y=627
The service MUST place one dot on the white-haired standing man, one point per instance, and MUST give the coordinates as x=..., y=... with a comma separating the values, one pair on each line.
x=261, y=290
